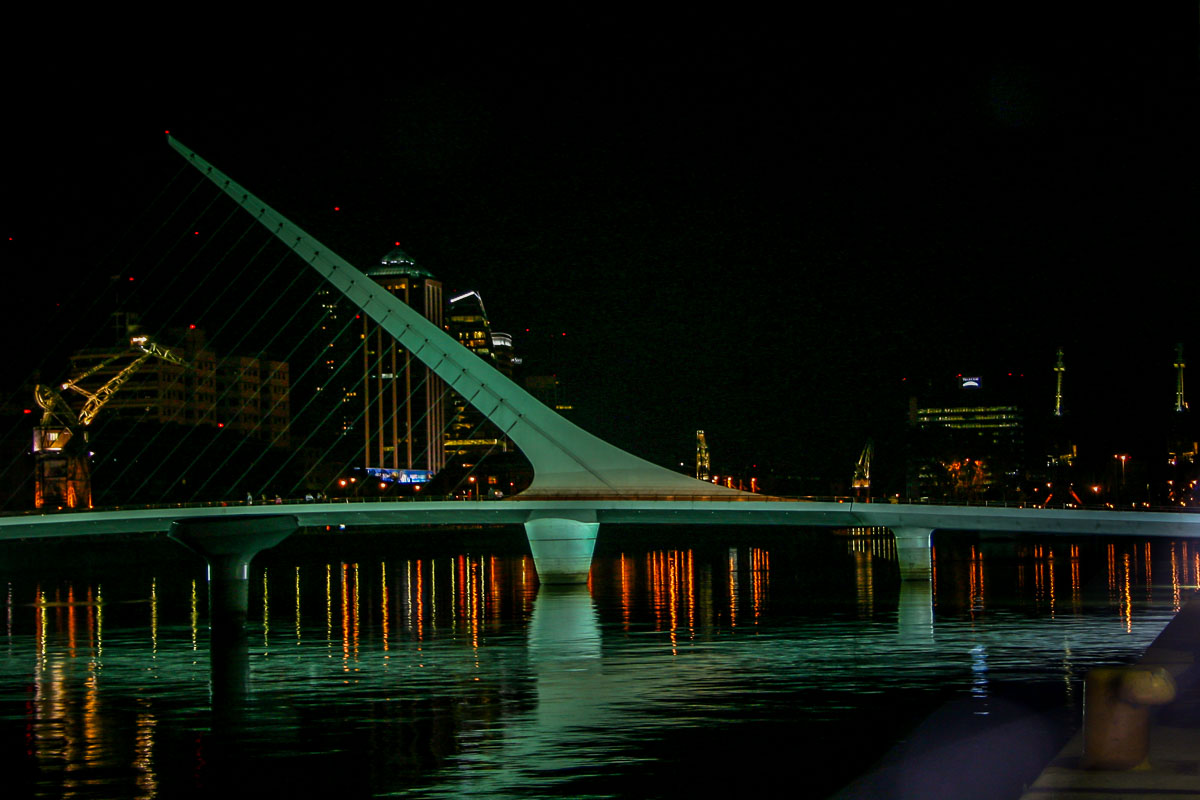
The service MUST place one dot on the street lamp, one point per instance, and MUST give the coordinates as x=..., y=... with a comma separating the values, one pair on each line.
x=1122, y=457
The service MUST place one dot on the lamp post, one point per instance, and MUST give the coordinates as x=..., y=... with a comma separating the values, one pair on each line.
x=1122, y=457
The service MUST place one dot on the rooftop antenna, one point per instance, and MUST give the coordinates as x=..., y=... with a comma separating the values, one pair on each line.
x=1180, y=403
x=1059, y=369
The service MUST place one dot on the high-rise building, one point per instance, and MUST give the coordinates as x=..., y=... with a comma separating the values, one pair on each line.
x=403, y=401
x=326, y=398
x=470, y=433
x=968, y=444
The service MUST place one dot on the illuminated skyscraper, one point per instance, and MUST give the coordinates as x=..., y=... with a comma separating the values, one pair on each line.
x=968, y=443
x=469, y=433
x=403, y=401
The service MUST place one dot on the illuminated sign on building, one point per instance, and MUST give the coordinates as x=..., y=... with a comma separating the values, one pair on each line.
x=400, y=475
x=971, y=383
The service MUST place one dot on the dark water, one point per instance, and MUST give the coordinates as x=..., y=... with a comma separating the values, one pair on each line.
x=431, y=665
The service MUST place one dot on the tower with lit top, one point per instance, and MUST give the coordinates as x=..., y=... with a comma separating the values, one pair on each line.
x=1059, y=370
x=1180, y=402
x=403, y=402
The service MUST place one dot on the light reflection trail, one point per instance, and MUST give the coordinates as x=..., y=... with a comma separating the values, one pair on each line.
x=617, y=688
x=298, y=618
x=154, y=618
x=357, y=616
x=345, y=619
x=1126, y=597
x=1050, y=575
x=147, y=782
x=733, y=587
x=383, y=610
x=266, y=611
x=1175, y=594
x=1076, y=598
x=194, y=618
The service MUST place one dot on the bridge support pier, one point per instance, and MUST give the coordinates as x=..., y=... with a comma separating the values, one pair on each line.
x=912, y=550
x=562, y=544
x=228, y=544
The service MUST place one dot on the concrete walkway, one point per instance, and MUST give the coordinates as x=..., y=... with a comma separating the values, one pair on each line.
x=1173, y=768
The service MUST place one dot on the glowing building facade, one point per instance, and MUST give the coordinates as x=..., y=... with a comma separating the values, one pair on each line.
x=403, y=402
x=469, y=433
x=971, y=445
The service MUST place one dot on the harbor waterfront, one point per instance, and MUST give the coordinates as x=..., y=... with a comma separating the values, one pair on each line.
x=433, y=664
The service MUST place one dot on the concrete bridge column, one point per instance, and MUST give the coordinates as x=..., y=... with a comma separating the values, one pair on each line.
x=562, y=543
x=912, y=549
x=228, y=544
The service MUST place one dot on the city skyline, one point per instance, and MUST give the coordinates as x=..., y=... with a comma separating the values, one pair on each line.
x=788, y=237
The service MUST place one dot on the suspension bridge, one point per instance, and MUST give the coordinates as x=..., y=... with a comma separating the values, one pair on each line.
x=579, y=481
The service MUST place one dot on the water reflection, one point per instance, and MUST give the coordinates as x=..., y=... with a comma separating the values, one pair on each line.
x=449, y=675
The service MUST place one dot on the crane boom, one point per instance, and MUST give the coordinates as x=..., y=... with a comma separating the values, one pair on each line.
x=97, y=399
x=862, y=470
x=62, y=475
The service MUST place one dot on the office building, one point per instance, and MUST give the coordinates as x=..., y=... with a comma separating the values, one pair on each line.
x=403, y=402
x=470, y=435
x=967, y=444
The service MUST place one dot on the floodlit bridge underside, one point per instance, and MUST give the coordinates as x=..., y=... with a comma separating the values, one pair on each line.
x=912, y=524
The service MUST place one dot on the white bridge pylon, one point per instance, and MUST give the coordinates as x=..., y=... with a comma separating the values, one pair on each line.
x=567, y=460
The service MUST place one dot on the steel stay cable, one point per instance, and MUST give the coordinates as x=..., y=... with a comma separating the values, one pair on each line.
x=361, y=450
x=74, y=317
x=311, y=433
x=179, y=376
x=307, y=369
x=231, y=354
x=195, y=187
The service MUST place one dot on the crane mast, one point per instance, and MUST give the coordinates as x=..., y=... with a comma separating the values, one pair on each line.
x=702, y=460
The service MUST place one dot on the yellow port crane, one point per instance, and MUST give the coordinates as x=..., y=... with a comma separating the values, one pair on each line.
x=62, y=478
x=861, y=482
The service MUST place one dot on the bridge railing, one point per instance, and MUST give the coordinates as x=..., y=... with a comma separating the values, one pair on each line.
x=591, y=496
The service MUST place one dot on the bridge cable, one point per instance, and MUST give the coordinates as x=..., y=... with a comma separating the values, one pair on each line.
x=361, y=449
x=299, y=342
x=231, y=356
x=151, y=270
x=181, y=374
x=296, y=450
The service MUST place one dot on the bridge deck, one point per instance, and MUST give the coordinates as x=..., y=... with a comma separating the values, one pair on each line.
x=684, y=511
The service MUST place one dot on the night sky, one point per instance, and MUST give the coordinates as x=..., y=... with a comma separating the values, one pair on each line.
x=770, y=237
